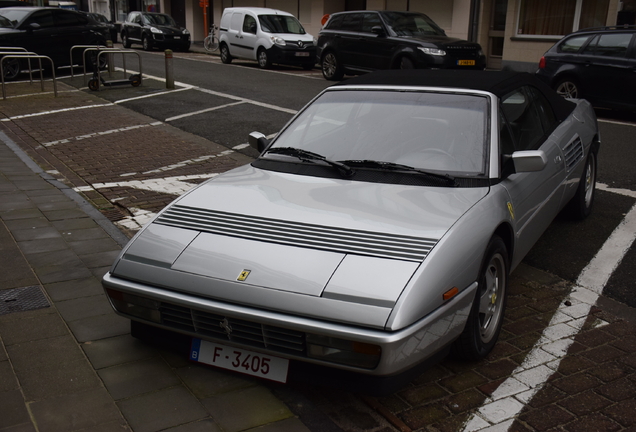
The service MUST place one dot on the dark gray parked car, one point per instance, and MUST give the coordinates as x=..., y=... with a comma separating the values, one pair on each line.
x=47, y=31
x=596, y=64
x=362, y=41
x=154, y=30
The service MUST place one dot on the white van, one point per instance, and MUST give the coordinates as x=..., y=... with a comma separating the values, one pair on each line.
x=266, y=35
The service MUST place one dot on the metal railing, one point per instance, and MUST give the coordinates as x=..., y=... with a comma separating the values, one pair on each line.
x=17, y=53
x=83, y=58
x=111, y=51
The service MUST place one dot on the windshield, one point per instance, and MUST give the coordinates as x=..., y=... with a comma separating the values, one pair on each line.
x=411, y=24
x=280, y=24
x=160, y=19
x=14, y=15
x=4, y=22
x=437, y=132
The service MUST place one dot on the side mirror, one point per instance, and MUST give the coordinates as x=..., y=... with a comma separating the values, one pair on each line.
x=34, y=26
x=377, y=30
x=257, y=141
x=529, y=160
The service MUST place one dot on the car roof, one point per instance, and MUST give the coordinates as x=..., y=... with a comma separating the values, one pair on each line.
x=258, y=10
x=607, y=29
x=499, y=83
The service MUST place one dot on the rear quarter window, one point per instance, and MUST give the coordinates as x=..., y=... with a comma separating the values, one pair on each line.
x=573, y=44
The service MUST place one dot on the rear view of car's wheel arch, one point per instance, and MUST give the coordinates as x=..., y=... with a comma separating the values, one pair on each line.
x=486, y=316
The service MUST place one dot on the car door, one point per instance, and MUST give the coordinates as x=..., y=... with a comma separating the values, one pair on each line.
x=41, y=38
x=528, y=121
x=134, y=27
x=72, y=29
x=350, y=42
x=609, y=73
x=375, y=50
x=247, y=35
x=235, y=36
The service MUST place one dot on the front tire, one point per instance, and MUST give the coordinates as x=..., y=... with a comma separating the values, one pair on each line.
x=486, y=316
x=125, y=41
x=406, y=63
x=580, y=206
x=225, y=54
x=263, y=59
x=93, y=84
x=331, y=68
x=146, y=43
x=568, y=88
x=11, y=68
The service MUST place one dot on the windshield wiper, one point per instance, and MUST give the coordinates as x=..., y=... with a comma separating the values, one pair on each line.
x=391, y=166
x=307, y=156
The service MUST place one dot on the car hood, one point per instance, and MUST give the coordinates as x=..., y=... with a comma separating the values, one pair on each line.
x=348, y=241
x=443, y=41
x=169, y=29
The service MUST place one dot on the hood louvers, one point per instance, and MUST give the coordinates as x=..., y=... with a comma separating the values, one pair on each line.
x=298, y=234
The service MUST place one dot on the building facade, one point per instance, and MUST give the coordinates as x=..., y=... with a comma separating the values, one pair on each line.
x=513, y=33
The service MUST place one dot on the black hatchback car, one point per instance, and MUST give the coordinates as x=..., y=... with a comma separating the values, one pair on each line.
x=362, y=41
x=596, y=64
x=47, y=31
x=154, y=30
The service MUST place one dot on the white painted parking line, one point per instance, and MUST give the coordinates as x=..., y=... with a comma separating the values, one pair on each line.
x=203, y=111
x=499, y=411
x=208, y=91
x=152, y=95
x=622, y=123
x=188, y=162
x=55, y=111
x=95, y=134
x=41, y=93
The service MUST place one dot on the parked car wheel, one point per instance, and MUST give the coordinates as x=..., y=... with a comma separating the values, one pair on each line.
x=331, y=67
x=486, y=316
x=263, y=59
x=225, y=54
x=12, y=68
x=568, y=88
x=581, y=204
x=146, y=43
x=406, y=63
x=125, y=41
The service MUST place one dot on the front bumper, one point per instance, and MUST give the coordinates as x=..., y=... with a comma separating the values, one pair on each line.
x=291, y=55
x=286, y=335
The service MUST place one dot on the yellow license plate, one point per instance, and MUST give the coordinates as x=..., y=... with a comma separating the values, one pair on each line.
x=465, y=62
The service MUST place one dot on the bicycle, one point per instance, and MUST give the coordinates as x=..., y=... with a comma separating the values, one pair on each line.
x=211, y=42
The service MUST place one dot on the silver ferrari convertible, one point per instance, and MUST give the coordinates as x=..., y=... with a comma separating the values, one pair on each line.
x=375, y=232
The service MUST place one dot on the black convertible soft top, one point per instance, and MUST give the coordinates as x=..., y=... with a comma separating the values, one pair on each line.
x=498, y=83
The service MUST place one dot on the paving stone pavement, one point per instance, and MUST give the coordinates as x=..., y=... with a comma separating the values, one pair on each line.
x=74, y=366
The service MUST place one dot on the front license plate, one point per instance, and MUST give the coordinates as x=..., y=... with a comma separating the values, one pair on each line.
x=465, y=62
x=302, y=54
x=177, y=37
x=239, y=360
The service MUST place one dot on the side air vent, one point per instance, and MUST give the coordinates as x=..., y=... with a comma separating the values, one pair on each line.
x=573, y=152
x=298, y=234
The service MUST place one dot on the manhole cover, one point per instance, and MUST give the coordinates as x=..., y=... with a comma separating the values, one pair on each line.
x=22, y=299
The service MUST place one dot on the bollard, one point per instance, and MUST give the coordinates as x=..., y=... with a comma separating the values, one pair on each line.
x=111, y=59
x=169, y=70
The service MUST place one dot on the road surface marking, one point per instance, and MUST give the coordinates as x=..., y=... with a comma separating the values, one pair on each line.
x=190, y=114
x=95, y=134
x=505, y=403
x=55, y=111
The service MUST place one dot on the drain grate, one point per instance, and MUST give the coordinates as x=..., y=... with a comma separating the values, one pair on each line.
x=22, y=299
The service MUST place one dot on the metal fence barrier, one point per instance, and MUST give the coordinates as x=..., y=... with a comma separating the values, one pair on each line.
x=20, y=55
x=83, y=58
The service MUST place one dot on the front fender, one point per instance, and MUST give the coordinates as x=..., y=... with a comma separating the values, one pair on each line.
x=455, y=261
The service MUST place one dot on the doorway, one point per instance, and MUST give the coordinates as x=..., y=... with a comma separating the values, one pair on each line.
x=496, y=33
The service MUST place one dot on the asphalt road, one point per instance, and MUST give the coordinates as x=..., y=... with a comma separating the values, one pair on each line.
x=224, y=103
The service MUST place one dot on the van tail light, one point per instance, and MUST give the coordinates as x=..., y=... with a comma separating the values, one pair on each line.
x=542, y=63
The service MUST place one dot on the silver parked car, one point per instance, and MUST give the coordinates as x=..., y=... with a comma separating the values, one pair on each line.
x=376, y=231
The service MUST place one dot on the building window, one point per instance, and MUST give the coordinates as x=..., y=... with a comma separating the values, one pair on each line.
x=559, y=17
